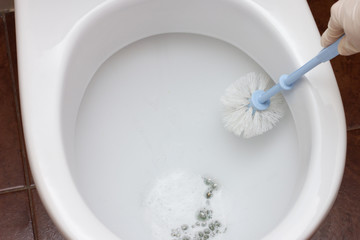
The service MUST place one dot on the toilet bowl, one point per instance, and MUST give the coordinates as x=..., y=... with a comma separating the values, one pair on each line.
x=120, y=98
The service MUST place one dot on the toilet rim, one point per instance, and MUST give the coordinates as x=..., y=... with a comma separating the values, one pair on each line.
x=59, y=207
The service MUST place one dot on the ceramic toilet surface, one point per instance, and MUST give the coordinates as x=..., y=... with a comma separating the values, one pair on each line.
x=166, y=118
x=122, y=119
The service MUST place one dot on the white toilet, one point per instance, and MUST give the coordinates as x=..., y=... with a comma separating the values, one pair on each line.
x=122, y=118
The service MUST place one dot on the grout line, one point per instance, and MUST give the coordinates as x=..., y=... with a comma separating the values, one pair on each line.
x=7, y=10
x=32, y=213
x=352, y=129
x=16, y=189
x=13, y=189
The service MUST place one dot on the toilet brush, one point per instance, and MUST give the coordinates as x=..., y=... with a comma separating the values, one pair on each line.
x=248, y=109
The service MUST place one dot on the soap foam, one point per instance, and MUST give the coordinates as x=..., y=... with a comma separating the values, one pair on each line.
x=175, y=199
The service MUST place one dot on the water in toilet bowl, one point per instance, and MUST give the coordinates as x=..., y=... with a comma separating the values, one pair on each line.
x=152, y=114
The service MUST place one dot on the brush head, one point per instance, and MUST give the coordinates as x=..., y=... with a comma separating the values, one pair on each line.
x=242, y=119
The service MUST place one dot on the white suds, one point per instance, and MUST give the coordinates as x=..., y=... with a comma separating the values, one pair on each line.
x=173, y=205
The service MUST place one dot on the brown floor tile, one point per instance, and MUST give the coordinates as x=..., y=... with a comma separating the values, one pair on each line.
x=10, y=27
x=321, y=12
x=15, y=220
x=343, y=221
x=45, y=227
x=347, y=72
x=346, y=69
x=10, y=24
x=11, y=167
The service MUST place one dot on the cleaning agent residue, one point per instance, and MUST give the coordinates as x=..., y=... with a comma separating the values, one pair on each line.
x=186, y=206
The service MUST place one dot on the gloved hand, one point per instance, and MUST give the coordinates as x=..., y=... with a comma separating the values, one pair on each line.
x=345, y=18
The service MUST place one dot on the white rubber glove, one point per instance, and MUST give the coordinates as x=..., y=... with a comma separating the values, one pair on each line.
x=345, y=18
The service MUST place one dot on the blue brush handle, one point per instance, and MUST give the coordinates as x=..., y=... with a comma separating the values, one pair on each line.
x=261, y=100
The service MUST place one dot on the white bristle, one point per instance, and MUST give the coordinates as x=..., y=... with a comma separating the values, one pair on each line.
x=239, y=117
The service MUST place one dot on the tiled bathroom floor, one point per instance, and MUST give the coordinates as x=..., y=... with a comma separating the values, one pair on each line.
x=24, y=217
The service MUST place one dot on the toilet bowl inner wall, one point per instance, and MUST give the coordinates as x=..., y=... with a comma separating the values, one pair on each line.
x=102, y=33
x=98, y=35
